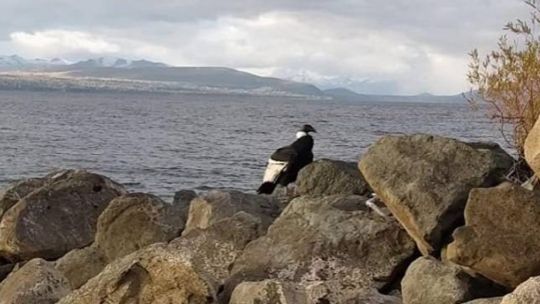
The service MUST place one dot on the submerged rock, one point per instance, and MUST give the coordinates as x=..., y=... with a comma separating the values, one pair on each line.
x=425, y=180
x=428, y=280
x=134, y=221
x=216, y=205
x=36, y=282
x=57, y=217
x=335, y=240
x=500, y=236
x=156, y=274
x=329, y=177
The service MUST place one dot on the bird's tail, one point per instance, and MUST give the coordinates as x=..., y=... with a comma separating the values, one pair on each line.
x=266, y=188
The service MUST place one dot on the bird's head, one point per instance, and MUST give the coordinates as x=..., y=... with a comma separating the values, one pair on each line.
x=305, y=131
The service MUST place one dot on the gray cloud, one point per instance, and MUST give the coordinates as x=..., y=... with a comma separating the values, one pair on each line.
x=400, y=46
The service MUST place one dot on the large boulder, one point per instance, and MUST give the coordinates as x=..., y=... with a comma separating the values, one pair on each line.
x=336, y=240
x=329, y=177
x=428, y=280
x=277, y=292
x=57, y=217
x=425, y=180
x=526, y=293
x=212, y=251
x=156, y=274
x=80, y=265
x=500, y=236
x=136, y=220
x=532, y=148
x=36, y=282
x=216, y=205
x=495, y=300
x=18, y=190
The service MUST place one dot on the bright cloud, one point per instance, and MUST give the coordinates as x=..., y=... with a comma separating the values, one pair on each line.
x=399, y=46
x=54, y=42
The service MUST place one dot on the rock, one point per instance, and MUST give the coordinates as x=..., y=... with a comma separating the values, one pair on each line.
x=425, y=180
x=336, y=240
x=329, y=177
x=526, y=293
x=212, y=251
x=5, y=270
x=215, y=205
x=36, y=282
x=80, y=265
x=156, y=274
x=276, y=292
x=268, y=292
x=182, y=199
x=532, y=148
x=17, y=191
x=20, y=189
x=428, y=280
x=496, y=300
x=134, y=221
x=57, y=217
x=500, y=236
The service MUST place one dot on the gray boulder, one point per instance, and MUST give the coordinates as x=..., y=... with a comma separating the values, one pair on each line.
x=17, y=191
x=500, y=236
x=334, y=239
x=425, y=180
x=216, y=205
x=134, y=221
x=56, y=218
x=330, y=177
x=36, y=282
x=428, y=280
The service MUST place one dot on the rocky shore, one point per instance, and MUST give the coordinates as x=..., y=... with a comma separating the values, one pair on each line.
x=456, y=231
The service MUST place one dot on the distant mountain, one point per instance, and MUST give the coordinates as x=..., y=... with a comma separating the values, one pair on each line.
x=15, y=62
x=118, y=74
x=113, y=62
x=125, y=75
x=343, y=94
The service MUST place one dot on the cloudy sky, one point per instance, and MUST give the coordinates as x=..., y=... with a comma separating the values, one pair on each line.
x=392, y=46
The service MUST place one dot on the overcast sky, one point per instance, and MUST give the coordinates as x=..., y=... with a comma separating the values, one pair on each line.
x=392, y=46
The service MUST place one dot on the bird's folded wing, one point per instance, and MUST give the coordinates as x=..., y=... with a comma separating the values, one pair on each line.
x=285, y=154
x=273, y=170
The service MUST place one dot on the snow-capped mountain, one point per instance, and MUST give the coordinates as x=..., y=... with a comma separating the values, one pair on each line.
x=115, y=62
x=15, y=62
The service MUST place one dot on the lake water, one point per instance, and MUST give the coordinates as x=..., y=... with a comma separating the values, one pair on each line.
x=164, y=143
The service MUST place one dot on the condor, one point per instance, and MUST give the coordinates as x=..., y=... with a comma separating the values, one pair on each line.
x=285, y=162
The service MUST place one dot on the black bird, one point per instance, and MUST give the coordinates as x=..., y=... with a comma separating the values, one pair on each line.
x=285, y=162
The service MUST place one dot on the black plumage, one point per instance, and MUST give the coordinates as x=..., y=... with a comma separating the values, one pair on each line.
x=285, y=162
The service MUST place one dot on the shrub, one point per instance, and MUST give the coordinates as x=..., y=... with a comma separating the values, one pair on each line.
x=508, y=79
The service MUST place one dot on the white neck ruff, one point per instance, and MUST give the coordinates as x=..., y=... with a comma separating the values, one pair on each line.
x=300, y=134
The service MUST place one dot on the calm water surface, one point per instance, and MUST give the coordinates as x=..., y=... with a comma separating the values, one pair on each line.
x=162, y=143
